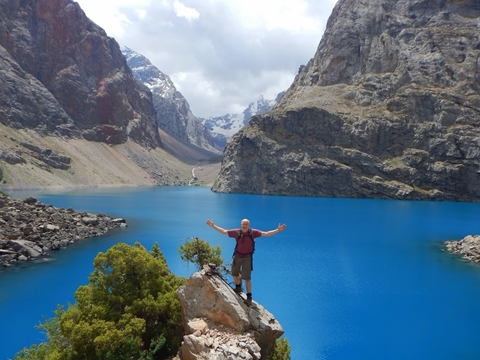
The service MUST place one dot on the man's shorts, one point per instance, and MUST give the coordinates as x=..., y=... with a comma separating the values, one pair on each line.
x=243, y=266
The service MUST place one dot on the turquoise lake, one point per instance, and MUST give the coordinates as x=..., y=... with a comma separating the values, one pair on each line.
x=348, y=279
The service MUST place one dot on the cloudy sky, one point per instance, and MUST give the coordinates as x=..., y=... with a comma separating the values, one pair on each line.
x=220, y=54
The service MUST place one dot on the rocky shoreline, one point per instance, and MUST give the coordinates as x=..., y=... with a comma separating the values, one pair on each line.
x=30, y=229
x=468, y=248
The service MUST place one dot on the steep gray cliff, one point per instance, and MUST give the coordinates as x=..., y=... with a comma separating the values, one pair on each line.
x=388, y=107
x=173, y=111
x=61, y=74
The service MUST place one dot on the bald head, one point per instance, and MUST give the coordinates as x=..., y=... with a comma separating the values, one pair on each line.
x=245, y=224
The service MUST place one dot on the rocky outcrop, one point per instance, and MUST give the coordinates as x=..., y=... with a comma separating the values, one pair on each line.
x=61, y=74
x=388, y=107
x=468, y=248
x=217, y=323
x=47, y=156
x=29, y=229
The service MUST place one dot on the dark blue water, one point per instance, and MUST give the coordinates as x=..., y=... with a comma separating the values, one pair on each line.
x=348, y=279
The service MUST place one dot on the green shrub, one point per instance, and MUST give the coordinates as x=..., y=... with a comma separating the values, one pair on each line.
x=281, y=350
x=127, y=311
x=200, y=252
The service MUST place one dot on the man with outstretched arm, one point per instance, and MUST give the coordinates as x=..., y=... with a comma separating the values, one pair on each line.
x=242, y=264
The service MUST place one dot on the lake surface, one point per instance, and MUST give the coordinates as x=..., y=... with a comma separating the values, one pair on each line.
x=348, y=279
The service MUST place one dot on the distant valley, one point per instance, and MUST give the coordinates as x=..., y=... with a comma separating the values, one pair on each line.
x=391, y=114
x=174, y=114
x=70, y=116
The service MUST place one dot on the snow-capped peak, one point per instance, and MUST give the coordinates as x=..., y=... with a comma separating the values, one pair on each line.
x=148, y=74
x=229, y=124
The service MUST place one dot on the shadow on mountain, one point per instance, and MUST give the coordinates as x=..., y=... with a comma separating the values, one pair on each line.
x=187, y=152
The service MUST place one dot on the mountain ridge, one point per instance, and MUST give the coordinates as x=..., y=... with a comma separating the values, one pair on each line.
x=82, y=69
x=229, y=124
x=225, y=126
x=71, y=111
x=173, y=111
x=388, y=107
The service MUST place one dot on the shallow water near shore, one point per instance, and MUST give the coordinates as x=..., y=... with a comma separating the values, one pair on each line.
x=348, y=279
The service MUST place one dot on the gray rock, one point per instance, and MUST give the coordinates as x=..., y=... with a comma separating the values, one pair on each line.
x=11, y=157
x=30, y=229
x=218, y=325
x=48, y=156
x=26, y=248
x=49, y=227
x=118, y=220
x=90, y=220
x=22, y=258
x=76, y=87
x=468, y=247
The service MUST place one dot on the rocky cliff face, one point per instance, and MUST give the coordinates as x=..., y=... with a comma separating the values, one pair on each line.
x=61, y=74
x=71, y=111
x=173, y=111
x=388, y=107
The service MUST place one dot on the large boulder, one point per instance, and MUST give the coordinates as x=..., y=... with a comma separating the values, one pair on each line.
x=219, y=325
x=27, y=248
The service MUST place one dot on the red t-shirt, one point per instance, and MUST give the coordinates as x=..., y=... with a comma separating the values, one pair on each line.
x=245, y=243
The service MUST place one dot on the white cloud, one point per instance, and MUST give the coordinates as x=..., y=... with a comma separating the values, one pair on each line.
x=184, y=11
x=279, y=14
x=141, y=13
x=110, y=15
x=227, y=53
x=195, y=83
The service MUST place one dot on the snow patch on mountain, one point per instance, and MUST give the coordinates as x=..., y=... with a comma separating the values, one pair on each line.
x=173, y=111
x=229, y=124
x=184, y=124
x=149, y=74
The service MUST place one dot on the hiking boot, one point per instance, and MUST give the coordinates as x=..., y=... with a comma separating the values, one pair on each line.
x=237, y=288
x=248, y=302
